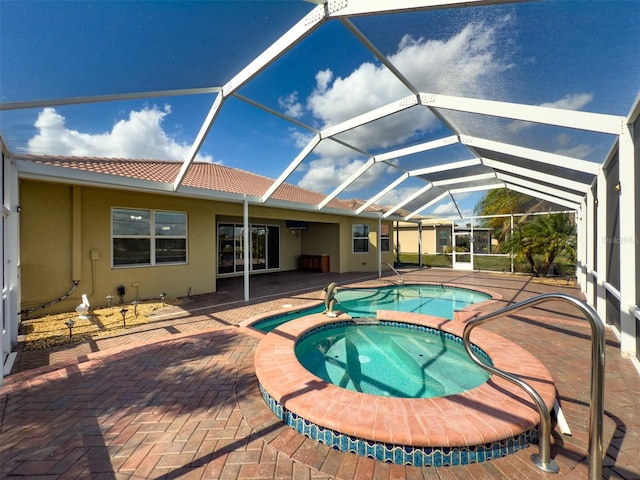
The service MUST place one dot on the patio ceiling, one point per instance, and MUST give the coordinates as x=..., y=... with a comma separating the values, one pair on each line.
x=446, y=137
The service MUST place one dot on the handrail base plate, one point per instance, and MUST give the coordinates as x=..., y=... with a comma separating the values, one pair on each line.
x=551, y=467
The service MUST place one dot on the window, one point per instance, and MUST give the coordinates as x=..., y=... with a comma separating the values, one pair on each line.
x=360, y=238
x=385, y=241
x=148, y=237
x=443, y=239
x=264, y=245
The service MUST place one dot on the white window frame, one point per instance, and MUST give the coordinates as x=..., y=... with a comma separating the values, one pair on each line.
x=152, y=237
x=386, y=237
x=364, y=237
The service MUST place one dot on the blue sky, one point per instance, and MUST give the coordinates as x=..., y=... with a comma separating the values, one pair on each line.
x=578, y=55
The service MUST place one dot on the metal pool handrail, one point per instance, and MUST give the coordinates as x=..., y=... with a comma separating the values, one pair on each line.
x=543, y=460
x=397, y=273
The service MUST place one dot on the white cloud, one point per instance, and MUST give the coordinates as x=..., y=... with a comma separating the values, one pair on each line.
x=300, y=139
x=579, y=151
x=323, y=78
x=139, y=136
x=445, y=210
x=397, y=195
x=571, y=102
x=324, y=173
x=568, y=102
x=291, y=106
x=466, y=64
x=564, y=147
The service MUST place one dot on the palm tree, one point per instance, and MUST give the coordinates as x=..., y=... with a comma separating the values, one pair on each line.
x=546, y=237
x=501, y=201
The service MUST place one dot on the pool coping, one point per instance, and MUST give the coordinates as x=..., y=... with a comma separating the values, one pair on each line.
x=494, y=411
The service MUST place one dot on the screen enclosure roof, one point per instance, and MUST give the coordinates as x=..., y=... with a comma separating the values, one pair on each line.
x=415, y=107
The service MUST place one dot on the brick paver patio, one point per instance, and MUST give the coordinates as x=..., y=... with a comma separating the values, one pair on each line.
x=177, y=398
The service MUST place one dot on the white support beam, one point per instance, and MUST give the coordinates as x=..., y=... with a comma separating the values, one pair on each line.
x=291, y=168
x=382, y=193
x=445, y=167
x=276, y=49
x=370, y=116
x=545, y=177
x=341, y=8
x=200, y=138
x=594, y=122
x=601, y=247
x=421, y=147
x=572, y=197
x=535, y=155
x=581, y=248
x=58, y=102
x=477, y=188
x=628, y=240
x=455, y=204
x=590, y=246
x=10, y=260
x=246, y=243
x=379, y=245
x=410, y=198
x=379, y=55
x=276, y=113
x=426, y=205
x=543, y=196
x=352, y=178
x=469, y=178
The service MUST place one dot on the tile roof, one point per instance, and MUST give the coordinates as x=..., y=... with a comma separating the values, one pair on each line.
x=207, y=176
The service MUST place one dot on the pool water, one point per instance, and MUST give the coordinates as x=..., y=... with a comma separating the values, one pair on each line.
x=436, y=300
x=390, y=360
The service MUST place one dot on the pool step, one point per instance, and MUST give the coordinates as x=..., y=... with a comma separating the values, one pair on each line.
x=365, y=320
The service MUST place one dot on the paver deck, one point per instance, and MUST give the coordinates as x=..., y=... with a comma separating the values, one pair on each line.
x=178, y=398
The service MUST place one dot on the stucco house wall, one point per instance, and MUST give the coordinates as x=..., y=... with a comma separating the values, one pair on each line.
x=66, y=236
x=408, y=237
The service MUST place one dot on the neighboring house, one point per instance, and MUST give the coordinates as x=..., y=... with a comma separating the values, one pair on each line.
x=433, y=237
x=108, y=225
x=436, y=236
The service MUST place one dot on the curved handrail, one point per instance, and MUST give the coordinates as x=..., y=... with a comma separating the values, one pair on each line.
x=397, y=273
x=543, y=460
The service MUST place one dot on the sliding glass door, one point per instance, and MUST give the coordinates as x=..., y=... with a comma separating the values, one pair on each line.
x=264, y=244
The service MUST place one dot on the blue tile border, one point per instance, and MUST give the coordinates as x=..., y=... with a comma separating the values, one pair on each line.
x=401, y=454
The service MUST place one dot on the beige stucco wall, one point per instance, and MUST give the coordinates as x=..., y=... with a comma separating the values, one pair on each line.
x=66, y=236
x=364, y=262
x=322, y=239
x=47, y=251
x=409, y=235
x=408, y=240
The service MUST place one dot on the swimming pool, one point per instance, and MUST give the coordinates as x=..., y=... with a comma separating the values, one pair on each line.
x=390, y=359
x=438, y=300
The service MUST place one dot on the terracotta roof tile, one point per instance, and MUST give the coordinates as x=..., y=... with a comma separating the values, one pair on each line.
x=207, y=176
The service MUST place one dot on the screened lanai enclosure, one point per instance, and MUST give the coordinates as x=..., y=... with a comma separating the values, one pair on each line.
x=401, y=109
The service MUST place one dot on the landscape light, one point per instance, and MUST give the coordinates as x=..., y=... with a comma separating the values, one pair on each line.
x=70, y=323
